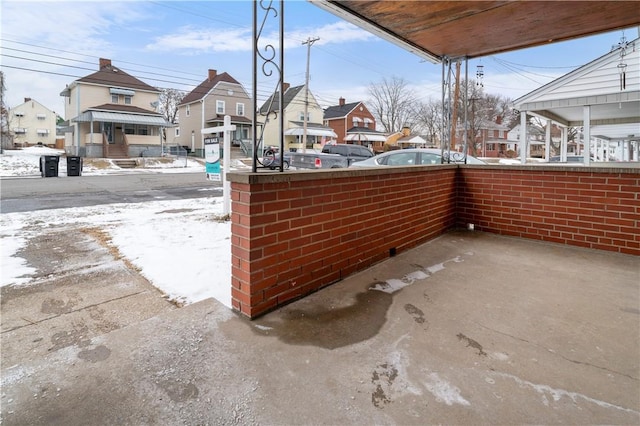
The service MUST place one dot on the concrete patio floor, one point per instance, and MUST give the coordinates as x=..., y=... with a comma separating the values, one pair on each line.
x=470, y=328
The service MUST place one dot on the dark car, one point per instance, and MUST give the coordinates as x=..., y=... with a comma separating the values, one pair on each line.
x=354, y=152
x=272, y=160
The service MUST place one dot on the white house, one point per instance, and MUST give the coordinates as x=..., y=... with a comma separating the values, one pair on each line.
x=31, y=123
x=602, y=98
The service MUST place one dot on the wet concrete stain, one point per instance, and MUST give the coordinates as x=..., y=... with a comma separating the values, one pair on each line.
x=328, y=327
x=57, y=306
x=99, y=353
x=472, y=343
x=416, y=313
x=178, y=391
x=76, y=336
x=382, y=377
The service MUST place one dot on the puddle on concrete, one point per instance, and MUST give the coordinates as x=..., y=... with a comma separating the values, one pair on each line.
x=327, y=327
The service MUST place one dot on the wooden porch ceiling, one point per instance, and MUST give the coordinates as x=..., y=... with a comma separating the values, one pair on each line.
x=455, y=29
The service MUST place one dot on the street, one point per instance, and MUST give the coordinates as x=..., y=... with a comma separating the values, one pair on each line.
x=29, y=194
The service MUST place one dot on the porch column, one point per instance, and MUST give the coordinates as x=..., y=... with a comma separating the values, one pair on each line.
x=564, y=142
x=587, y=134
x=547, y=141
x=523, y=137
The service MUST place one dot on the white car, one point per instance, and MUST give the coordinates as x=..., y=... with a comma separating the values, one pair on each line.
x=417, y=157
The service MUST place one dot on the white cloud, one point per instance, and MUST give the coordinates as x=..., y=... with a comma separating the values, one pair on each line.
x=334, y=33
x=189, y=40
x=36, y=62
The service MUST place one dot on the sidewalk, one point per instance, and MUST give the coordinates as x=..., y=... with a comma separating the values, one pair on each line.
x=470, y=328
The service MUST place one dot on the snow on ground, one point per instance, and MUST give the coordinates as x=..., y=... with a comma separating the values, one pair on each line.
x=26, y=162
x=182, y=246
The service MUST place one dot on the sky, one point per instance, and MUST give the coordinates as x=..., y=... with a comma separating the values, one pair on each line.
x=173, y=44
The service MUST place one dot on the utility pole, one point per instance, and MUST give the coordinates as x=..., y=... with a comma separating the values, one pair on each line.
x=309, y=42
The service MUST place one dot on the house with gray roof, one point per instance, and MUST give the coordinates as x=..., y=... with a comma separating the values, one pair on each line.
x=207, y=104
x=354, y=123
x=296, y=128
x=112, y=114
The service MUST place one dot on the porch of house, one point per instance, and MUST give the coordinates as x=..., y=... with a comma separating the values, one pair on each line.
x=294, y=233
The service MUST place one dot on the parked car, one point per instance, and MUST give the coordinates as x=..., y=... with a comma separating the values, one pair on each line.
x=332, y=157
x=272, y=160
x=417, y=156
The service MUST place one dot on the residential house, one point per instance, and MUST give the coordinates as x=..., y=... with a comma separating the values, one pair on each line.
x=353, y=123
x=111, y=114
x=491, y=140
x=536, y=140
x=405, y=139
x=207, y=104
x=31, y=123
x=294, y=100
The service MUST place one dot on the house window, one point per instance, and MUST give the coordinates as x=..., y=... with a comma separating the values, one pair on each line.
x=240, y=110
x=114, y=99
x=19, y=114
x=177, y=131
x=219, y=107
x=188, y=110
x=301, y=116
x=356, y=121
x=41, y=116
x=127, y=100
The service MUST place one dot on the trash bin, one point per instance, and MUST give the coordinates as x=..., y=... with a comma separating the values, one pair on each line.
x=74, y=166
x=49, y=165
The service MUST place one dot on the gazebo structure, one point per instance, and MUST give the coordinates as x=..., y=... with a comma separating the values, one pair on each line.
x=602, y=97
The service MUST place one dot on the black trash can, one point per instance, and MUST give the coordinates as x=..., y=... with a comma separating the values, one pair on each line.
x=49, y=165
x=74, y=166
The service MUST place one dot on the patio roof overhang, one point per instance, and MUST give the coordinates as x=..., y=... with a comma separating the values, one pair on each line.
x=456, y=29
x=119, y=117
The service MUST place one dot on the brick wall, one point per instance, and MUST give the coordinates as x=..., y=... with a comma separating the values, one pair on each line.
x=589, y=207
x=294, y=233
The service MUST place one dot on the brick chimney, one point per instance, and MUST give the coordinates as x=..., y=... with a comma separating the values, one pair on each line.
x=285, y=87
x=406, y=131
x=341, y=101
x=499, y=119
x=105, y=63
x=212, y=74
x=26, y=100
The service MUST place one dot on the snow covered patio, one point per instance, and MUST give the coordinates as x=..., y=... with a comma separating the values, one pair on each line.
x=469, y=328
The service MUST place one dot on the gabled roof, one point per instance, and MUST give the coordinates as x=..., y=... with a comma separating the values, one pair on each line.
x=598, y=85
x=273, y=103
x=339, y=111
x=114, y=76
x=205, y=87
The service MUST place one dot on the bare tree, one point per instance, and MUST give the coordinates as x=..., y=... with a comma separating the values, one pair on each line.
x=392, y=103
x=428, y=119
x=168, y=102
x=6, y=139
